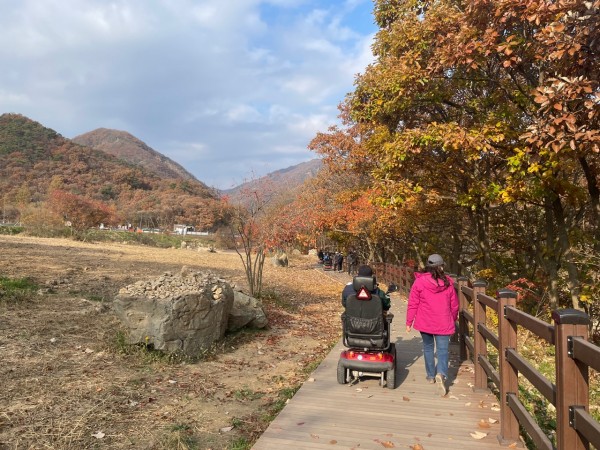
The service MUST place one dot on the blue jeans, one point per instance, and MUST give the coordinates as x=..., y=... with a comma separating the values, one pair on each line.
x=441, y=343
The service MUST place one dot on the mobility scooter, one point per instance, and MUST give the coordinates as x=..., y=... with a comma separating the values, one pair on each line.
x=366, y=334
x=327, y=262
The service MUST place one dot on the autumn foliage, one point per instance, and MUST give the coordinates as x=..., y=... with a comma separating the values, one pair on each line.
x=79, y=212
x=475, y=134
x=36, y=161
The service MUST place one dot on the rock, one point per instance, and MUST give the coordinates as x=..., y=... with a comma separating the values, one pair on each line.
x=280, y=260
x=185, y=272
x=246, y=311
x=176, y=313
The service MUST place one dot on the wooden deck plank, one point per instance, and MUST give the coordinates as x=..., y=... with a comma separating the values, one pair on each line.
x=365, y=415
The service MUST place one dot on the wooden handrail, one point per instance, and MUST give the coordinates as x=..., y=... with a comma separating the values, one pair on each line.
x=586, y=352
x=401, y=276
x=540, y=382
x=538, y=327
x=576, y=429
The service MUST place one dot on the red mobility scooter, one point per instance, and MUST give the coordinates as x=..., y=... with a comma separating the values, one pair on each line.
x=366, y=334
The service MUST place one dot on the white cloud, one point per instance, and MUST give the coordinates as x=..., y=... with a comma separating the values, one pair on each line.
x=219, y=86
x=10, y=97
x=244, y=113
x=310, y=125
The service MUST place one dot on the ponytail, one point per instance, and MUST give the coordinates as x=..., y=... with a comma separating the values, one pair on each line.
x=437, y=273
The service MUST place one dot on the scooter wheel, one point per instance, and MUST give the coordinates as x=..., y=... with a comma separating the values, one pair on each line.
x=390, y=375
x=341, y=373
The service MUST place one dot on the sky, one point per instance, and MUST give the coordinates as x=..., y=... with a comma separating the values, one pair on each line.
x=229, y=89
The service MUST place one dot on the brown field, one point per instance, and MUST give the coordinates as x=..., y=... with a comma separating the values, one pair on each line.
x=69, y=382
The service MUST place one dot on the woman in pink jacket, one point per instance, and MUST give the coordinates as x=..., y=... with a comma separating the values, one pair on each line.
x=433, y=310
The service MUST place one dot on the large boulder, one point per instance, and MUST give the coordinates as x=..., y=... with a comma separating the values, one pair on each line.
x=187, y=312
x=246, y=311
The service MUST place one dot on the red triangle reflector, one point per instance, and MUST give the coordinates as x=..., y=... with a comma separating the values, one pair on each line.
x=363, y=294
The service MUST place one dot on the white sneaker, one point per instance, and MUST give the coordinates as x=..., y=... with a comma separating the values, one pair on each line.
x=441, y=385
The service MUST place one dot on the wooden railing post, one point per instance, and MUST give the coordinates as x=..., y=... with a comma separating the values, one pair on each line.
x=572, y=377
x=463, y=326
x=480, y=345
x=509, y=383
x=407, y=275
x=454, y=339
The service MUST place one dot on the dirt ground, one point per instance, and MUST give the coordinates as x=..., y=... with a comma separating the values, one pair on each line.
x=69, y=382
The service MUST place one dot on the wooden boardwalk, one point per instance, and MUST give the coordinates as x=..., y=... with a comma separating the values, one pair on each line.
x=326, y=415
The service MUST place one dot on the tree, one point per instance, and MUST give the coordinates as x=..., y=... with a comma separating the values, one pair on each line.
x=477, y=126
x=247, y=232
x=79, y=211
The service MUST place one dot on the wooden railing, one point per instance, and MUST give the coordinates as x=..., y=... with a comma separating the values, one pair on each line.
x=574, y=355
x=402, y=276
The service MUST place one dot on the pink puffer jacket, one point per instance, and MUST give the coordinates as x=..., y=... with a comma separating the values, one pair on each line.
x=432, y=308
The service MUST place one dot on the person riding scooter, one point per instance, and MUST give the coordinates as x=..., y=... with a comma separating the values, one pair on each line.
x=366, y=331
x=366, y=271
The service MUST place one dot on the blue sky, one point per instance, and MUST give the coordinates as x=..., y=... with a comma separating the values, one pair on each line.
x=229, y=89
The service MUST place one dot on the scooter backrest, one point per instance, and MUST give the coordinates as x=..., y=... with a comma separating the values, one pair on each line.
x=367, y=282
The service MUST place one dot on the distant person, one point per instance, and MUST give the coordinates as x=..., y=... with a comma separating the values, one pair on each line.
x=433, y=310
x=339, y=261
x=351, y=261
x=366, y=271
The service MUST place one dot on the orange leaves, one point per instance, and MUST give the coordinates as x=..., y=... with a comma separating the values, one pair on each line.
x=562, y=121
x=386, y=444
x=80, y=212
x=483, y=424
x=491, y=123
x=557, y=27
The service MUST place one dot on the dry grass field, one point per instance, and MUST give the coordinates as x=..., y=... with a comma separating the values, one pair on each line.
x=70, y=382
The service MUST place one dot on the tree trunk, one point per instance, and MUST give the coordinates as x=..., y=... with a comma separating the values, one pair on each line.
x=420, y=256
x=594, y=192
x=567, y=252
x=371, y=249
x=455, y=266
x=548, y=258
x=483, y=241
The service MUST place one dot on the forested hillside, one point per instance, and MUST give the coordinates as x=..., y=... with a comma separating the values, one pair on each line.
x=45, y=176
x=130, y=149
x=288, y=179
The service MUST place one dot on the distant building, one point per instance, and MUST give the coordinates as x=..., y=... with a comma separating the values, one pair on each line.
x=188, y=229
x=183, y=229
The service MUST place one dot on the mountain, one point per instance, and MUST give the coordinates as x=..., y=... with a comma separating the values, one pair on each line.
x=286, y=179
x=117, y=170
x=35, y=160
x=129, y=148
